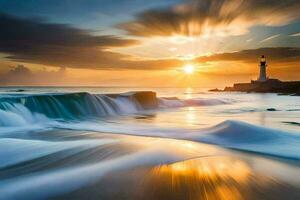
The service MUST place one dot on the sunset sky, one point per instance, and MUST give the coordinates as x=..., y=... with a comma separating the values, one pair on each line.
x=147, y=43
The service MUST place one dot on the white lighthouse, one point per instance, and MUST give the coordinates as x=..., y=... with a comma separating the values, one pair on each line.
x=262, y=73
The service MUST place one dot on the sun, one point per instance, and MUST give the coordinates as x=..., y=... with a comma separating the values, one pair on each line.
x=189, y=69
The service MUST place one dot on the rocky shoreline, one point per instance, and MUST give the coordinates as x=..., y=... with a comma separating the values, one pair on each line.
x=269, y=86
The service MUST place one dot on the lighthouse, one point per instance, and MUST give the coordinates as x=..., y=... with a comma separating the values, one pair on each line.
x=264, y=84
x=262, y=73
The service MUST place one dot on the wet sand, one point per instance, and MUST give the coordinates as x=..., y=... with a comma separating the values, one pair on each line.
x=147, y=168
x=217, y=177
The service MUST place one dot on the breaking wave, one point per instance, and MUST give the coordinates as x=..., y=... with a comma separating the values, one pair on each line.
x=21, y=110
x=248, y=137
x=230, y=134
x=73, y=111
x=64, y=106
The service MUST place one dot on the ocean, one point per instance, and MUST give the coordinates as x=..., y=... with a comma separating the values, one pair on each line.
x=80, y=143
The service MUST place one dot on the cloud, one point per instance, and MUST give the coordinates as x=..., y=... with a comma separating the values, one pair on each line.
x=18, y=34
x=276, y=54
x=212, y=17
x=22, y=75
x=39, y=42
x=19, y=70
x=295, y=35
x=270, y=38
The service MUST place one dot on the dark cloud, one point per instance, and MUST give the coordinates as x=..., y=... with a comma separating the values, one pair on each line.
x=195, y=17
x=19, y=34
x=22, y=75
x=275, y=55
x=19, y=70
x=39, y=42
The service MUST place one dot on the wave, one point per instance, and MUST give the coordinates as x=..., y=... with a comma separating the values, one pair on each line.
x=28, y=109
x=293, y=110
x=50, y=183
x=292, y=123
x=175, y=102
x=230, y=134
x=76, y=111
x=16, y=114
x=248, y=110
x=247, y=137
x=20, y=110
x=14, y=151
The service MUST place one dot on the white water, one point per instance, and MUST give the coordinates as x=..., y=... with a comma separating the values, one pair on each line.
x=14, y=151
x=18, y=115
x=31, y=139
x=232, y=134
x=56, y=182
x=173, y=103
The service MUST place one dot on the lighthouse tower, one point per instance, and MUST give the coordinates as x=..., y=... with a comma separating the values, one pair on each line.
x=262, y=73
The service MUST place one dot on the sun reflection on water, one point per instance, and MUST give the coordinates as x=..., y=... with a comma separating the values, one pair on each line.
x=214, y=169
x=222, y=178
x=191, y=116
x=189, y=93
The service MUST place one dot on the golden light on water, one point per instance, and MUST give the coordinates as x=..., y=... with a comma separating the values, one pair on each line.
x=191, y=116
x=214, y=169
x=217, y=178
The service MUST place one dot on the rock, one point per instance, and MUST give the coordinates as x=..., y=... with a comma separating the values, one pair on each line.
x=215, y=90
x=17, y=90
x=147, y=99
x=271, y=109
x=269, y=86
x=228, y=89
